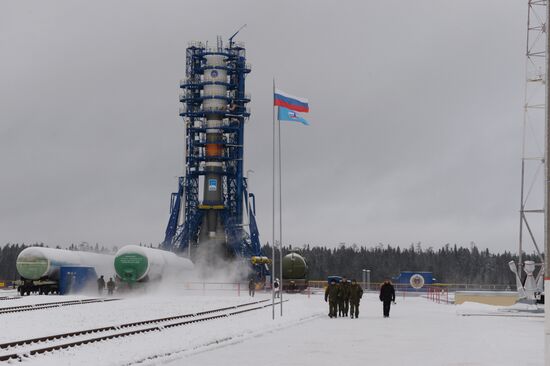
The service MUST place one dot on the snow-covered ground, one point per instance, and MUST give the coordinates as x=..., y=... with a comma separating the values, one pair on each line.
x=419, y=332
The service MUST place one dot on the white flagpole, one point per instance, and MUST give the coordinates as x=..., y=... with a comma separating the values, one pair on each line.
x=280, y=216
x=273, y=216
x=547, y=200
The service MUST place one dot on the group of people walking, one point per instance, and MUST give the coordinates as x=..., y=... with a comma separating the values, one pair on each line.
x=101, y=285
x=344, y=297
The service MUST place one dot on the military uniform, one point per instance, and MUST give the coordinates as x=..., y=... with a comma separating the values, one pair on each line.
x=100, y=285
x=344, y=297
x=332, y=294
x=355, y=295
x=110, y=286
x=251, y=287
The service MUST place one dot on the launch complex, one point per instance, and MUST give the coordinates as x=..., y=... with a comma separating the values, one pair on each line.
x=213, y=212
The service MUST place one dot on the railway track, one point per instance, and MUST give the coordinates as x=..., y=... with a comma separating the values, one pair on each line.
x=191, y=318
x=9, y=297
x=17, y=309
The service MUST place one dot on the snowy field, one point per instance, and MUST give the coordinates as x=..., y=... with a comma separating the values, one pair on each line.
x=419, y=332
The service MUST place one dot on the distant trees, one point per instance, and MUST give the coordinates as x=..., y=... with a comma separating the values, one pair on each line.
x=8, y=255
x=449, y=264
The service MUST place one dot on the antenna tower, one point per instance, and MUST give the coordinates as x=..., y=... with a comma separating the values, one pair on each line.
x=531, y=223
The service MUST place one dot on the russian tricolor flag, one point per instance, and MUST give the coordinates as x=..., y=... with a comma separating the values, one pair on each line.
x=282, y=99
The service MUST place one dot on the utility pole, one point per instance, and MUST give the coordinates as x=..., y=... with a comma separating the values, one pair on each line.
x=547, y=202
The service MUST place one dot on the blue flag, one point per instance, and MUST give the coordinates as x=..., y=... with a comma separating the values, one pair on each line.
x=286, y=114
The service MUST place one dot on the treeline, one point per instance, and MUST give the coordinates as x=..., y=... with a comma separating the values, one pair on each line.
x=450, y=264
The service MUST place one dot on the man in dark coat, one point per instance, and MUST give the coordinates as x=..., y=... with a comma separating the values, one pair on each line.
x=355, y=295
x=387, y=296
x=332, y=294
x=100, y=285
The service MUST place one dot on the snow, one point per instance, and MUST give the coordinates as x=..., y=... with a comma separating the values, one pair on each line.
x=419, y=332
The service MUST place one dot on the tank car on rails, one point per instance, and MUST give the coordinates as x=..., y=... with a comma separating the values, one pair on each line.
x=294, y=273
x=141, y=264
x=48, y=270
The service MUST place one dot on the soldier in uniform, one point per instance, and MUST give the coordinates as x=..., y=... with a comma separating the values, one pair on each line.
x=344, y=300
x=100, y=285
x=251, y=287
x=332, y=293
x=110, y=286
x=355, y=295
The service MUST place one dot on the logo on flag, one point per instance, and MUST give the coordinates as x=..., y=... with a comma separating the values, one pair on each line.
x=286, y=114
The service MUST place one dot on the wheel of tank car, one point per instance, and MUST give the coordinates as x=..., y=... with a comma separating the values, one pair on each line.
x=28, y=292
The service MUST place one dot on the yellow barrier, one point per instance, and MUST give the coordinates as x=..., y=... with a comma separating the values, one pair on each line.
x=497, y=298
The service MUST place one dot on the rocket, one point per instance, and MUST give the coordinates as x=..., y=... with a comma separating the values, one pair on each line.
x=215, y=101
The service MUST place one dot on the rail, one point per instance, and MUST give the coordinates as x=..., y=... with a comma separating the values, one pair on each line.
x=196, y=317
x=452, y=287
x=9, y=297
x=32, y=307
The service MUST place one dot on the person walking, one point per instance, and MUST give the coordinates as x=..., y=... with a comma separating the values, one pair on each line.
x=277, y=288
x=332, y=295
x=345, y=296
x=355, y=295
x=100, y=285
x=342, y=286
x=387, y=296
x=251, y=287
x=110, y=286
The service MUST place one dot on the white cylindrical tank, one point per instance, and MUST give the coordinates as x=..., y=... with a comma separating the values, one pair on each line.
x=134, y=263
x=37, y=262
x=212, y=74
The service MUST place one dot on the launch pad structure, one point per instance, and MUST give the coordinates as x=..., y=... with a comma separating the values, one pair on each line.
x=208, y=210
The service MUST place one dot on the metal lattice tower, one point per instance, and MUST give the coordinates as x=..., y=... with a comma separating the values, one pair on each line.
x=533, y=144
x=212, y=198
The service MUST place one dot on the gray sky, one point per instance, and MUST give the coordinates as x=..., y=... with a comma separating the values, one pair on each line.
x=415, y=135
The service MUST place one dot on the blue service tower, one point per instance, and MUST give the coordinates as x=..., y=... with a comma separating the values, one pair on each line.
x=208, y=212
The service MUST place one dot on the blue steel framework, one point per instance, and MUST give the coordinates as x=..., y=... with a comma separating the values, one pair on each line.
x=235, y=192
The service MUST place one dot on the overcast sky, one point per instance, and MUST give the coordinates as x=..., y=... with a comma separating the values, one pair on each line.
x=416, y=112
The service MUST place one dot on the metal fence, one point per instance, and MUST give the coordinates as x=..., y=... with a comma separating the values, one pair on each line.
x=450, y=287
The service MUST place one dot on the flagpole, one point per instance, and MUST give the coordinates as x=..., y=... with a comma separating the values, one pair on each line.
x=273, y=218
x=280, y=215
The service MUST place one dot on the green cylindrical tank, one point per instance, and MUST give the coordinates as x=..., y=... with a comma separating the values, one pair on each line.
x=131, y=266
x=294, y=266
x=141, y=264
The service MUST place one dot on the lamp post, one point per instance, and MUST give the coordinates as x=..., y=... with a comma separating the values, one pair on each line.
x=368, y=279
